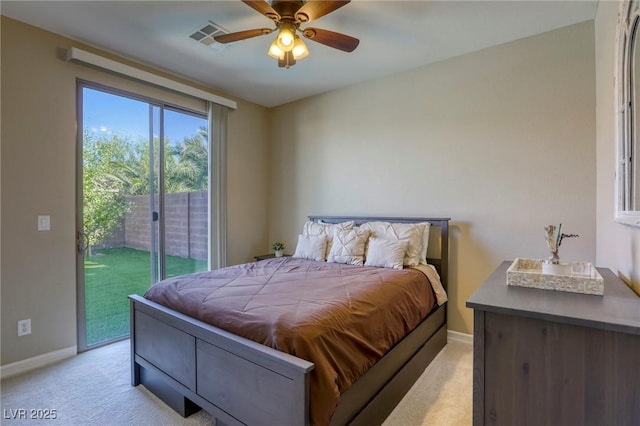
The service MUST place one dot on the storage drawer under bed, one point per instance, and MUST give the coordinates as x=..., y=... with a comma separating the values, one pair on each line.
x=237, y=385
x=170, y=350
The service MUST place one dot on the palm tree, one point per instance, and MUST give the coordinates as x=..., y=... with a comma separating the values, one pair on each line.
x=133, y=172
x=185, y=166
x=191, y=168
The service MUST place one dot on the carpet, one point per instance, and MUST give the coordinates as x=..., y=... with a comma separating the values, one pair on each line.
x=94, y=388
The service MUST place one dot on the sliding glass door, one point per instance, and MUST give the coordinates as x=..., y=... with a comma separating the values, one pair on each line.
x=142, y=204
x=186, y=195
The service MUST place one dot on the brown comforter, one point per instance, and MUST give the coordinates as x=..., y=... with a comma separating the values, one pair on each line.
x=343, y=318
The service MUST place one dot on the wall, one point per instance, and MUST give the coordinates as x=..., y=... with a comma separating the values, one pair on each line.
x=501, y=140
x=38, y=270
x=618, y=245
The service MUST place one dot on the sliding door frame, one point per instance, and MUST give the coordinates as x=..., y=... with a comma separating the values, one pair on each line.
x=158, y=269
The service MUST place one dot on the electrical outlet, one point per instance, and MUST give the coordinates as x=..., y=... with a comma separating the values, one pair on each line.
x=24, y=327
x=44, y=223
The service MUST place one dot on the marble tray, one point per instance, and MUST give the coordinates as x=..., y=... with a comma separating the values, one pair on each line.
x=584, y=278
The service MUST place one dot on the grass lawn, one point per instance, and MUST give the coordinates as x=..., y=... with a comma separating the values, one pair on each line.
x=111, y=275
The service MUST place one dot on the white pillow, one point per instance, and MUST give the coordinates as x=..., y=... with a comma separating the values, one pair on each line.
x=313, y=247
x=386, y=253
x=425, y=242
x=327, y=229
x=321, y=228
x=413, y=232
x=348, y=246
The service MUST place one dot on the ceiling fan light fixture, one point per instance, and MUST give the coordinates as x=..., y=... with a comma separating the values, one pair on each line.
x=300, y=50
x=286, y=37
x=287, y=60
x=275, y=52
x=288, y=15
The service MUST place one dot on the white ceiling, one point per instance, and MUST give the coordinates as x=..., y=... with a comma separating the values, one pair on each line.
x=394, y=36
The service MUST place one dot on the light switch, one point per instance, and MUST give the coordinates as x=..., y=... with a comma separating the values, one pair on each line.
x=44, y=223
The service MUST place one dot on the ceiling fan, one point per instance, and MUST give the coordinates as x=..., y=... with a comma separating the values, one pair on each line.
x=288, y=15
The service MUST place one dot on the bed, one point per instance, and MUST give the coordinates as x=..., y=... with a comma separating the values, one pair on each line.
x=191, y=364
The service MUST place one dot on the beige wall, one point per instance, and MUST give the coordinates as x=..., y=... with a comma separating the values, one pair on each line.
x=501, y=140
x=38, y=270
x=618, y=245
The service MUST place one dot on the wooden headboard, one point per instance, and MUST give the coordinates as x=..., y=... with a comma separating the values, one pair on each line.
x=441, y=258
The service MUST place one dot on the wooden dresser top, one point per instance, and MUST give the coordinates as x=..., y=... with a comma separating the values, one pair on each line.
x=617, y=310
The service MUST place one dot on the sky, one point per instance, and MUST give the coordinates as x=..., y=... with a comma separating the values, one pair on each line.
x=109, y=114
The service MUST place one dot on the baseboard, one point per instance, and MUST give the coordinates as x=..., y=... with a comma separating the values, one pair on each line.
x=19, y=367
x=456, y=336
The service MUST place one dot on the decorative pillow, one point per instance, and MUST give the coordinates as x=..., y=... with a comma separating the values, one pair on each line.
x=413, y=232
x=386, y=253
x=321, y=228
x=327, y=229
x=348, y=246
x=312, y=247
x=425, y=242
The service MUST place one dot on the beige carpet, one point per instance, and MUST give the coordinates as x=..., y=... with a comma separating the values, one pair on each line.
x=442, y=396
x=93, y=389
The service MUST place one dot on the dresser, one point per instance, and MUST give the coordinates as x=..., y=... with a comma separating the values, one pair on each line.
x=543, y=357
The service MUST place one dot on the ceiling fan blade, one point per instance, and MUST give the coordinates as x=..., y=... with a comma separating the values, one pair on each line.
x=242, y=35
x=316, y=9
x=264, y=8
x=332, y=39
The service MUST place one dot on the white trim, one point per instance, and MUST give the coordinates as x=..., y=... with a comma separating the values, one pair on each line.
x=456, y=336
x=628, y=218
x=628, y=15
x=78, y=55
x=19, y=367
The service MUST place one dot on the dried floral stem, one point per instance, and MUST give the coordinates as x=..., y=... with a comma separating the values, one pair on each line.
x=554, y=239
x=559, y=237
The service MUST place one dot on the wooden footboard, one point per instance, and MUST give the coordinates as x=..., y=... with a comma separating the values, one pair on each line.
x=186, y=362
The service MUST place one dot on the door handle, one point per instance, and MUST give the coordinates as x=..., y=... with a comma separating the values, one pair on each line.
x=81, y=242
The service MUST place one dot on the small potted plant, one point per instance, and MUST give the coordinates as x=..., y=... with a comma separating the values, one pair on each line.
x=278, y=247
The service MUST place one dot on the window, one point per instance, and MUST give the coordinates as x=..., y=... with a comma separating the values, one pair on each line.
x=628, y=103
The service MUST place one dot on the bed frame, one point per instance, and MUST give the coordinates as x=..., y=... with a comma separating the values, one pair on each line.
x=191, y=365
